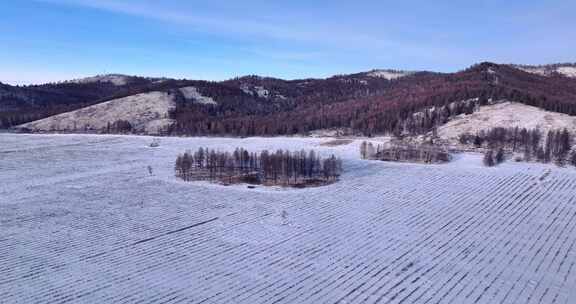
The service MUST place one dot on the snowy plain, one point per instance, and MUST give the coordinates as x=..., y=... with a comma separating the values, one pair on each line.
x=84, y=221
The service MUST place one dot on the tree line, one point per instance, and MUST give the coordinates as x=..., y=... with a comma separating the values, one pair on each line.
x=281, y=167
x=410, y=105
x=119, y=126
x=535, y=145
x=404, y=152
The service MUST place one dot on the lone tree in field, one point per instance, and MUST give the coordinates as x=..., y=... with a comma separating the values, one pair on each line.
x=499, y=157
x=489, y=158
x=363, y=150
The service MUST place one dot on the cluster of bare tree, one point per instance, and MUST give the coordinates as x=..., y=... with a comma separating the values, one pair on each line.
x=119, y=126
x=492, y=158
x=428, y=118
x=404, y=152
x=281, y=167
x=554, y=146
x=515, y=139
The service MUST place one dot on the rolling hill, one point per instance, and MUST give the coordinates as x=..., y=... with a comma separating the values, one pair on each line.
x=373, y=102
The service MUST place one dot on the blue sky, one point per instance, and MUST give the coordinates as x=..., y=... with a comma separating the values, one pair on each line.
x=50, y=40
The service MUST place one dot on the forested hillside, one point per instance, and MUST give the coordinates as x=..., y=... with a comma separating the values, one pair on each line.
x=20, y=104
x=388, y=106
x=374, y=102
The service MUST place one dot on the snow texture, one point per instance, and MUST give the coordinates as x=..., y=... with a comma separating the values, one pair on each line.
x=388, y=74
x=191, y=93
x=568, y=71
x=506, y=115
x=536, y=70
x=84, y=221
x=115, y=79
x=261, y=92
x=147, y=112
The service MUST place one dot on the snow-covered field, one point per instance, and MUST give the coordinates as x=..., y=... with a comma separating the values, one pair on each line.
x=83, y=221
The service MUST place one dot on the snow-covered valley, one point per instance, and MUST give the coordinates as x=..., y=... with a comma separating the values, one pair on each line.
x=102, y=219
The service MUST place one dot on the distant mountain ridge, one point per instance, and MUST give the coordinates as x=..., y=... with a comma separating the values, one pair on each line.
x=376, y=101
x=115, y=79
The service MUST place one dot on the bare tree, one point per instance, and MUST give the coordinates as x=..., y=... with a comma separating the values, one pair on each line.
x=489, y=158
x=279, y=167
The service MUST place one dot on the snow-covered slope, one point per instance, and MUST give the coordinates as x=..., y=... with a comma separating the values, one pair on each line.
x=261, y=92
x=506, y=114
x=192, y=94
x=146, y=112
x=568, y=70
x=115, y=79
x=388, y=74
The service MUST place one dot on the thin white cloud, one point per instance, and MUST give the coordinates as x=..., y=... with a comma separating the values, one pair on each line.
x=238, y=27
